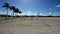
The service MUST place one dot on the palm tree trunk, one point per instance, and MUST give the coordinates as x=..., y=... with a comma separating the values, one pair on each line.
x=0, y=17
x=13, y=15
x=7, y=14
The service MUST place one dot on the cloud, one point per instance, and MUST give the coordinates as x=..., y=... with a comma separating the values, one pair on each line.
x=30, y=12
x=1, y=12
x=58, y=6
x=55, y=14
x=4, y=12
x=49, y=13
x=36, y=13
x=10, y=13
x=27, y=12
x=49, y=8
x=41, y=13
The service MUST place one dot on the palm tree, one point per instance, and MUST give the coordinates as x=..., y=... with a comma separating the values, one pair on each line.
x=6, y=5
x=17, y=11
x=13, y=8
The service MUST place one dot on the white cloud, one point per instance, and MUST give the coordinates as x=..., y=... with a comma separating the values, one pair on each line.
x=49, y=8
x=49, y=13
x=9, y=13
x=58, y=6
x=1, y=12
x=55, y=14
x=36, y=13
x=27, y=12
x=41, y=13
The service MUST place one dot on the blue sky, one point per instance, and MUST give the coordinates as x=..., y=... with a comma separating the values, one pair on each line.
x=32, y=7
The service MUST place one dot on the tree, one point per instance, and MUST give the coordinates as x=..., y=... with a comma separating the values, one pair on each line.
x=17, y=11
x=6, y=5
x=13, y=8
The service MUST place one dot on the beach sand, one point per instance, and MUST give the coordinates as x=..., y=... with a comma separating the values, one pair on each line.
x=27, y=25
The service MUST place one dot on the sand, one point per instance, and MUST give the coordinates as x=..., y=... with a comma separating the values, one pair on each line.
x=29, y=25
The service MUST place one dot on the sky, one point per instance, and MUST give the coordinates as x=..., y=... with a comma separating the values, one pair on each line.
x=33, y=7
